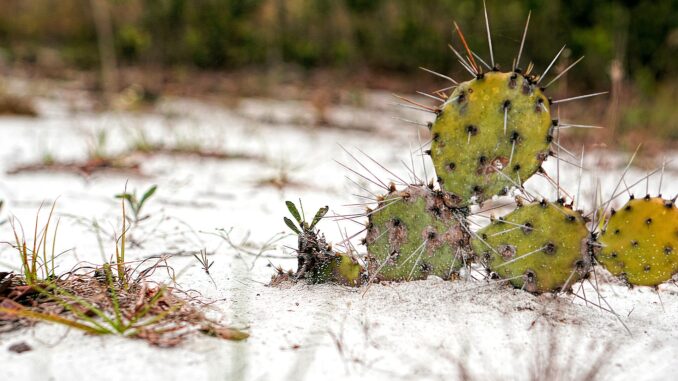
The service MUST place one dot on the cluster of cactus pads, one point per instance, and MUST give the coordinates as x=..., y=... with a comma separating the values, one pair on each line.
x=490, y=134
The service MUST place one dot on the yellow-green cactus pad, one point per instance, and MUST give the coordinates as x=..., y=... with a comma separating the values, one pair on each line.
x=540, y=247
x=415, y=233
x=342, y=269
x=498, y=121
x=640, y=242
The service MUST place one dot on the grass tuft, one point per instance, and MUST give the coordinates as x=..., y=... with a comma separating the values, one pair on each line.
x=111, y=299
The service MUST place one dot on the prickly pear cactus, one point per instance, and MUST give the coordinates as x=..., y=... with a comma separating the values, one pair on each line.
x=640, y=241
x=496, y=122
x=414, y=233
x=540, y=247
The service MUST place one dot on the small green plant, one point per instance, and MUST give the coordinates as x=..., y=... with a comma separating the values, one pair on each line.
x=317, y=261
x=136, y=204
x=304, y=228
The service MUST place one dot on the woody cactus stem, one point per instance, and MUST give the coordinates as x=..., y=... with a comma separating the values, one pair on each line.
x=317, y=262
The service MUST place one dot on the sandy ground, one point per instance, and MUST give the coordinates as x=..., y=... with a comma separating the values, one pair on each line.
x=427, y=329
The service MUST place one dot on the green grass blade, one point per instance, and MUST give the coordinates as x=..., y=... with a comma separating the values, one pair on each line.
x=73, y=310
x=26, y=313
x=82, y=302
x=120, y=325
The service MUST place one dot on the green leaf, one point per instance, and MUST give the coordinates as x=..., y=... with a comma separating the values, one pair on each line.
x=125, y=196
x=290, y=224
x=147, y=195
x=319, y=215
x=293, y=210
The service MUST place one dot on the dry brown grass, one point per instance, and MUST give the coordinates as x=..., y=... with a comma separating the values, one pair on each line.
x=161, y=315
x=116, y=298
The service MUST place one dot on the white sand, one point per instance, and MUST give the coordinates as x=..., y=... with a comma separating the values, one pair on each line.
x=421, y=330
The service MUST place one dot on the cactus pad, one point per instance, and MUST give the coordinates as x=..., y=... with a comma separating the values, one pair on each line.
x=541, y=247
x=415, y=233
x=470, y=141
x=640, y=242
x=341, y=269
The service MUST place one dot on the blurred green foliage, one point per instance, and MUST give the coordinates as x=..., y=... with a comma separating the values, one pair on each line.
x=379, y=34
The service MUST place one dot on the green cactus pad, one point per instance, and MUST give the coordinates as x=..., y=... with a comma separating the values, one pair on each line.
x=540, y=247
x=416, y=235
x=469, y=140
x=640, y=242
